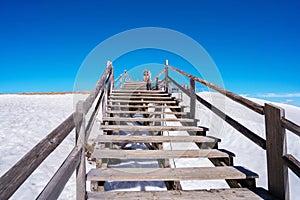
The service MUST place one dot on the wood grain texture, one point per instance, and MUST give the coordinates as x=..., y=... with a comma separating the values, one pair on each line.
x=128, y=106
x=219, y=194
x=291, y=126
x=276, y=147
x=137, y=119
x=145, y=112
x=292, y=163
x=61, y=177
x=169, y=174
x=149, y=128
x=140, y=101
x=156, y=139
x=159, y=154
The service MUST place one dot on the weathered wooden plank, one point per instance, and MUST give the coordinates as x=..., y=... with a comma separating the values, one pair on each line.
x=80, y=143
x=242, y=129
x=141, y=97
x=246, y=102
x=145, y=106
x=150, y=128
x=276, y=147
x=137, y=91
x=62, y=175
x=144, y=112
x=219, y=194
x=156, y=139
x=137, y=119
x=192, y=99
x=137, y=87
x=292, y=163
x=139, y=94
x=143, y=101
x=291, y=126
x=91, y=98
x=160, y=154
x=16, y=175
x=169, y=174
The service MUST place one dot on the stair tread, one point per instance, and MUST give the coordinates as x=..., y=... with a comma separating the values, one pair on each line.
x=151, y=128
x=139, y=94
x=141, y=97
x=159, y=154
x=138, y=101
x=134, y=91
x=147, y=106
x=215, y=194
x=169, y=174
x=137, y=119
x=144, y=112
x=156, y=139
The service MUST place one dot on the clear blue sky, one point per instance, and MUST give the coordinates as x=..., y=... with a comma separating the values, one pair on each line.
x=255, y=44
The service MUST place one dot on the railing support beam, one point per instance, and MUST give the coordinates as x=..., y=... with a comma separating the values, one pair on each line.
x=166, y=76
x=192, y=99
x=80, y=143
x=276, y=147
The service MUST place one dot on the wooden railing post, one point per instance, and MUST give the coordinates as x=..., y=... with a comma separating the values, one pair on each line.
x=80, y=143
x=156, y=85
x=166, y=76
x=276, y=147
x=192, y=99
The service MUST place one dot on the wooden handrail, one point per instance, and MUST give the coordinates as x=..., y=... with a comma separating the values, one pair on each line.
x=242, y=129
x=91, y=98
x=292, y=163
x=17, y=174
x=58, y=181
x=118, y=78
x=250, y=104
x=291, y=126
x=158, y=75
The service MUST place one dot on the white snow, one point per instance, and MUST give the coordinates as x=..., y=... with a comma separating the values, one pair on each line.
x=26, y=119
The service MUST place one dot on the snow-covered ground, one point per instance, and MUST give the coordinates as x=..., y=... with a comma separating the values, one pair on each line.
x=26, y=119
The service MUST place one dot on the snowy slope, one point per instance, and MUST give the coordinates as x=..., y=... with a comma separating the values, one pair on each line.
x=26, y=119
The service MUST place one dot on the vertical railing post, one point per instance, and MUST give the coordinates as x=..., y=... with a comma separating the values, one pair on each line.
x=166, y=76
x=156, y=85
x=192, y=99
x=80, y=143
x=276, y=147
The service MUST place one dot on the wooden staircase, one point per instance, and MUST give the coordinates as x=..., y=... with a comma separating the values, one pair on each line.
x=135, y=115
x=143, y=137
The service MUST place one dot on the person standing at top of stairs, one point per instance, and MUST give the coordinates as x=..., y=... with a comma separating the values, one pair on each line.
x=147, y=79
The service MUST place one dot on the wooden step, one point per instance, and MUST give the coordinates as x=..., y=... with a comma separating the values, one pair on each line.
x=137, y=87
x=156, y=139
x=159, y=154
x=138, y=119
x=145, y=106
x=150, y=128
x=144, y=101
x=141, y=97
x=139, y=94
x=145, y=112
x=169, y=174
x=138, y=91
x=217, y=194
